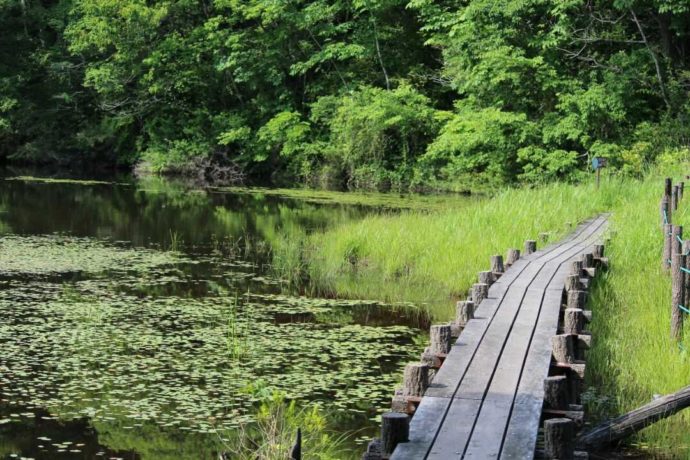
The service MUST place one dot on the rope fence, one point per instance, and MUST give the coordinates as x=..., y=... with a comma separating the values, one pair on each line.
x=675, y=258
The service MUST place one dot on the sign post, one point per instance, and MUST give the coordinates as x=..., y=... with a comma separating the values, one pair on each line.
x=597, y=164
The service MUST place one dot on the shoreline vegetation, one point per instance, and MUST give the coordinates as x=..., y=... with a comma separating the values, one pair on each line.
x=431, y=257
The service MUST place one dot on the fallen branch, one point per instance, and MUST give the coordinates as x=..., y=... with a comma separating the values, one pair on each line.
x=632, y=422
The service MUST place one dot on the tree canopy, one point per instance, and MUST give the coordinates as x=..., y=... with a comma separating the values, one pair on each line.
x=376, y=94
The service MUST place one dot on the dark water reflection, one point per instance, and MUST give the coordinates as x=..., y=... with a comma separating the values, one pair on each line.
x=135, y=314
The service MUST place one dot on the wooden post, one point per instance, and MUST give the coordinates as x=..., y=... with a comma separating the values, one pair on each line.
x=440, y=339
x=464, y=311
x=573, y=321
x=598, y=251
x=563, y=348
x=530, y=247
x=497, y=267
x=674, y=198
x=416, y=379
x=556, y=392
x=666, y=254
x=576, y=299
x=512, y=256
x=668, y=184
x=480, y=291
x=588, y=260
x=686, y=283
x=296, y=452
x=576, y=268
x=572, y=283
x=676, y=240
x=486, y=277
x=559, y=439
x=665, y=212
x=677, y=295
x=395, y=428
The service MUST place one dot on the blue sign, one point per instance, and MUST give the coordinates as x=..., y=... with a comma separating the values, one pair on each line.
x=598, y=162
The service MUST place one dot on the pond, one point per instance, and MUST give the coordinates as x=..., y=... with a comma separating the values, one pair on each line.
x=147, y=319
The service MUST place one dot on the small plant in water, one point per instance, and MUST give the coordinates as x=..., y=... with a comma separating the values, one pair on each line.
x=175, y=241
x=273, y=433
x=236, y=338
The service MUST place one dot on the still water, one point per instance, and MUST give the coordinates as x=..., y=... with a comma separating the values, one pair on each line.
x=146, y=319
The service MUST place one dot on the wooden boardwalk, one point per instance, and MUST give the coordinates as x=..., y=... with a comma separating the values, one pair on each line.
x=486, y=400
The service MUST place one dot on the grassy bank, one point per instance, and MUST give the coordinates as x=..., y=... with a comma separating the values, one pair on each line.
x=432, y=257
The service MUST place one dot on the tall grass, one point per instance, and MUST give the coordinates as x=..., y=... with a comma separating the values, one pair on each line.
x=432, y=257
x=633, y=357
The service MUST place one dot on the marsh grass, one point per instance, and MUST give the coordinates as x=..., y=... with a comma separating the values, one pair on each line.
x=273, y=432
x=432, y=257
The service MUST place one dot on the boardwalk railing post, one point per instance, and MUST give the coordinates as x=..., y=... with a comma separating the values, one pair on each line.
x=677, y=295
x=674, y=198
x=395, y=428
x=559, y=438
x=530, y=247
x=668, y=185
x=512, y=256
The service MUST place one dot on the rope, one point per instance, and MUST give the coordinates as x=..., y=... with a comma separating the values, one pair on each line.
x=665, y=217
x=684, y=269
x=683, y=309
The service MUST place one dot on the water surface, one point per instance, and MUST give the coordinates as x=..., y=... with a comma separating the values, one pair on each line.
x=144, y=319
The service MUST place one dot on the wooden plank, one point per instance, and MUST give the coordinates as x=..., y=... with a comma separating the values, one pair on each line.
x=423, y=431
x=455, y=431
x=521, y=434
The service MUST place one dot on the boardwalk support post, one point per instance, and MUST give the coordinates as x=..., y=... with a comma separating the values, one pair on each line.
x=576, y=299
x=480, y=291
x=440, y=339
x=497, y=267
x=572, y=283
x=512, y=256
x=559, y=438
x=563, y=348
x=416, y=379
x=395, y=428
x=464, y=312
x=556, y=392
x=530, y=247
x=486, y=277
x=573, y=321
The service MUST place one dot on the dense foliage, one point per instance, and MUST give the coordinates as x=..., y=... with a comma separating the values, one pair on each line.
x=360, y=93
